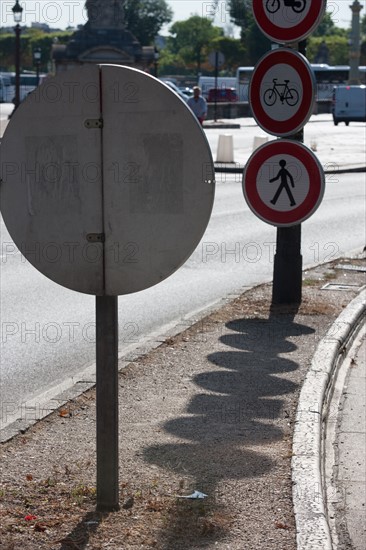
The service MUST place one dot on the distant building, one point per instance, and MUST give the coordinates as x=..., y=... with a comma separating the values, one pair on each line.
x=41, y=26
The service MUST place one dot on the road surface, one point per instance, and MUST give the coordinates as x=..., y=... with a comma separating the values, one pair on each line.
x=48, y=332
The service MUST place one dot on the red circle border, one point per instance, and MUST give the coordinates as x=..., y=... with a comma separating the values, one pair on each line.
x=300, y=64
x=316, y=179
x=290, y=34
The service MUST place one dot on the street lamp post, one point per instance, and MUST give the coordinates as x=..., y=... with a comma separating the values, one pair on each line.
x=37, y=54
x=156, y=61
x=17, y=13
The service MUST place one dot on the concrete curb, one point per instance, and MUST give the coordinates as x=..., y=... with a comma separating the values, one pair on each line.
x=313, y=532
x=237, y=168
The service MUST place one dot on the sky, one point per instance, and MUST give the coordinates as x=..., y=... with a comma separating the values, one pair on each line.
x=62, y=13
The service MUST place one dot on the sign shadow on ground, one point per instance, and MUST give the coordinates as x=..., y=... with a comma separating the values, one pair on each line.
x=236, y=407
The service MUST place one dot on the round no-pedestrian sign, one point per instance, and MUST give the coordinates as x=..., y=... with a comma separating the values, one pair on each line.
x=286, y=21
x=283, y=183
x=282, y=92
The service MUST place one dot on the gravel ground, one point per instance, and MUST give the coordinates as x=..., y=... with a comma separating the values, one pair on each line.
x=211, y=409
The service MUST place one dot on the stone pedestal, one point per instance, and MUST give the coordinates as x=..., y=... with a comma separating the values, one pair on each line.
x=103, y=39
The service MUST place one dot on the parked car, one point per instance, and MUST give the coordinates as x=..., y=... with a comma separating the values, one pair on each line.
x=349, y=104
x=222, y=94
x=186, y=90
x=175, y=88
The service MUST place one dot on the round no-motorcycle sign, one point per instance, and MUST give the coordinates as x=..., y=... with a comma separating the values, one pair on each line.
x=283, y=183
x=286, y=21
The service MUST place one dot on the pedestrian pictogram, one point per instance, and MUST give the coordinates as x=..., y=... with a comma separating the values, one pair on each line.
x=283, y=182
x=286, y=21
x=284, y=175
x=282, y=92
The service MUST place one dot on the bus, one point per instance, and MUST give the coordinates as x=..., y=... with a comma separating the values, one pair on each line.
x=326, y=77
x=6, y=90
x=28, y=83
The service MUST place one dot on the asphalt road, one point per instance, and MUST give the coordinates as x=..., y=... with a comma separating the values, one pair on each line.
x=48, y=332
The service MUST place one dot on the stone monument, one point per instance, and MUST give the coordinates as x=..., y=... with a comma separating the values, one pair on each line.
x=103, y=39
x=105, y=15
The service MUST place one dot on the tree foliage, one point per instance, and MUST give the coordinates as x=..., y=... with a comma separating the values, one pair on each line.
x=30, y=39
x=233, y=49
x=327, y=27
x=253, y=40
x=145, y=18
x=363, y=26
x=337, y=45
x=191, y=39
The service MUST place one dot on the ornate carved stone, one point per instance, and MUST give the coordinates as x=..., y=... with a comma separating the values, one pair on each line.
x=105, y=14
x=103, y=39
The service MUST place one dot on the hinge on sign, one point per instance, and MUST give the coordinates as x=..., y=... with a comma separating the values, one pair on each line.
x=95, y=237
x=91, y=123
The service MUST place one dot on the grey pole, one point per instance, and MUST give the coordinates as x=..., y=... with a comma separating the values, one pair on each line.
x=17, y=66
x=216, y=80
x=287, y=268
x=107, y=402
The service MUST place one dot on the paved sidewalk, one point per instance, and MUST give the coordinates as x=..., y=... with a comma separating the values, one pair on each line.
x=211, y=409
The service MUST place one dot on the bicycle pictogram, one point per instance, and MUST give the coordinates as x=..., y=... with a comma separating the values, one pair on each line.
x=282, y=92
x=298, y=6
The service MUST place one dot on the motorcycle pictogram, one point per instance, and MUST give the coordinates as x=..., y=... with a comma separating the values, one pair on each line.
x=282, y=92
x=298, y=6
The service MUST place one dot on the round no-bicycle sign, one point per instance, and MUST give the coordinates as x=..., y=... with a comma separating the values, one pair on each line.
x=286, y=21
x=283, y=183
x=282, y=92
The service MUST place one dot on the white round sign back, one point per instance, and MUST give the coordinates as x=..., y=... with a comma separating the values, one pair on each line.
x=107, y=180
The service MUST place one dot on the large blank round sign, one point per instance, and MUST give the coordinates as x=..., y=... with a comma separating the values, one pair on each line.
x=107, y=180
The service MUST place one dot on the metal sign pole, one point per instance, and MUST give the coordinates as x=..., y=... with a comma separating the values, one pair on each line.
x=107, y=402
x=216, y=81
x=287, y=269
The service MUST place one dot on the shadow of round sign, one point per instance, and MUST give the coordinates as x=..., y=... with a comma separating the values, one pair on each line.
x=107, y=180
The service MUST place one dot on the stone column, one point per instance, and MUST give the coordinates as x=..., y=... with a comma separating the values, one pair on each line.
x=354, y=54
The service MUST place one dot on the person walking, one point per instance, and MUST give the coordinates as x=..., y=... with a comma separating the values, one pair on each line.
x=283, y=175
x=198, y=104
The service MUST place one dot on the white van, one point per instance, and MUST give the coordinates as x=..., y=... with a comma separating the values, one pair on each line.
x=349, y=104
